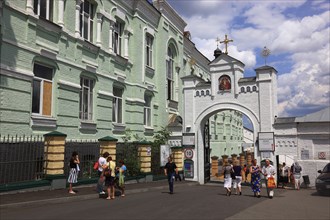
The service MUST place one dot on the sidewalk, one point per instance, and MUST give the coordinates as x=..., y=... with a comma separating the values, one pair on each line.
x=22, y=198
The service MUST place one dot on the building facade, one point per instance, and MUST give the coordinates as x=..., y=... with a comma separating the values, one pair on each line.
x=92, y=68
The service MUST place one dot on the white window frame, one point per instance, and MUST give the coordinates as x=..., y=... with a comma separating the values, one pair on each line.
x=41, y=93
x=117, y=106
x=86, y=17
x=170, y=73
x=148, y=50
x=88, y=115
x=147, y=111
x=49, y=8
x=117, y=37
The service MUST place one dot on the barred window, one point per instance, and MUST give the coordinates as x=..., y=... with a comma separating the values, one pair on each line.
x=44, y=8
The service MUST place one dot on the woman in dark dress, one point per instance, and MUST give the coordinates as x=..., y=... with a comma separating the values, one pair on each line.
x=255, y=178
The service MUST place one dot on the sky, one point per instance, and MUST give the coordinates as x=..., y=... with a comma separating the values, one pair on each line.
x=296, y=32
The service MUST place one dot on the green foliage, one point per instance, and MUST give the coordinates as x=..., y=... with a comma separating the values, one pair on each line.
x=161, y=137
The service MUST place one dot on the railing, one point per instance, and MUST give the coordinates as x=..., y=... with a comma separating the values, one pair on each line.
x=88, y=151
x=21, y=159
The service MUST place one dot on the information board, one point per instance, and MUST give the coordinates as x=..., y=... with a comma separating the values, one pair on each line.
x=165, y=152
x=266, y=141
x=188, y=139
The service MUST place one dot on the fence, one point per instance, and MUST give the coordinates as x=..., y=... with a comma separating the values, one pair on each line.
x=88, y=151
x=128, y=152
x=21, y=159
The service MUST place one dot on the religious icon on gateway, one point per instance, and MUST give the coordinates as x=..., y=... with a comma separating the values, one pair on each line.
x=224, y=83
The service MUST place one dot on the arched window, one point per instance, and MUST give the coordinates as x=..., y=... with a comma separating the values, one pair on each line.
x=170, y=73
x=254, y=88
x=224, y=83
x=197, y=93
x=202, y=93
x=207, y=92
x=248, y=89
x=242, y=89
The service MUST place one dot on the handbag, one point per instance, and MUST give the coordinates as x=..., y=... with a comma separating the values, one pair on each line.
x=232, y=175
x=271, y=182
x=96, y=165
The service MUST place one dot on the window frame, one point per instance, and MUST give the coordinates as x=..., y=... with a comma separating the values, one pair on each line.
x=117, y=105
x=90, y=88
x=147, y=112
x=89, y=16
x=49, y=7
x=149, y=50
x=170, y=73
x=117, y=37
x=41, y=91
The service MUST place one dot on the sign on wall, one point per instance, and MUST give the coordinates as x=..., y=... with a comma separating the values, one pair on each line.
x=165, y=152
x=304, y=154
x=188, y=153
x=266, y=141
x=188, y=139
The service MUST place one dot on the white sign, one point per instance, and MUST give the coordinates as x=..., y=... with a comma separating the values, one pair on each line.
x=148, y=151
x=266, y=141
x=165, y=152
x=188, y=139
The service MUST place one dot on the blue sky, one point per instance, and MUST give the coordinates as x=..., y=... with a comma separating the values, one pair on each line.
x=296, y=32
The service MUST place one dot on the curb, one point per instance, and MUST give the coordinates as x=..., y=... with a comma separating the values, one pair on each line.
x=85, y=197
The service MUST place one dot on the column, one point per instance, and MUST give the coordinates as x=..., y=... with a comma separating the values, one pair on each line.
x=108, y=144
x=214, y=166
x=29, y=6
x=224, y=161
x=112, y=24
x=242, y=159
x=126, y=38
x=60, y=20
x=98, y=29
x=77, y=19
x=54, y=159
x=249, y=163
x=234, y=158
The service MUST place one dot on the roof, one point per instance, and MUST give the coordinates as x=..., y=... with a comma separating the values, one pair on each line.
x=320, y=116
x=266, y=67
x=285, y=120
x=247, y=79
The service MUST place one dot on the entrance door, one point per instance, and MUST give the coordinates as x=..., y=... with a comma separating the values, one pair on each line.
x=207, y=151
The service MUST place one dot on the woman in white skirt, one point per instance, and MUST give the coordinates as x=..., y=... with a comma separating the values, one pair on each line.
x=74, y=169
x=227, y=170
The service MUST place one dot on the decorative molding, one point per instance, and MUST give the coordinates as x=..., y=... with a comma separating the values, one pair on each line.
x=135, y=101
x=64, y=83
x=87, y=125
x=40, y=121
x=16, y=72
x=104, y=93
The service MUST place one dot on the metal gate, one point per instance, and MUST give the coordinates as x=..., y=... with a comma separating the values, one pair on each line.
x=207, y=151
x=88, y=151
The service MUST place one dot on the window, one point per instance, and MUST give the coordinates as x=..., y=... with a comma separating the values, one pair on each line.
x=42, y=90
x=254, y=88
x=117, y=37
x=242, y=89
x=149, y=43
x=117, y=105
x=169, y=70
x=44, y=8
x=86, y=99
x=86, y=20
x=147, y=110
x=248, y=89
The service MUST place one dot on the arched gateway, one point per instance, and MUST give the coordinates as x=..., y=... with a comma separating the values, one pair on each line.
x=256, y=97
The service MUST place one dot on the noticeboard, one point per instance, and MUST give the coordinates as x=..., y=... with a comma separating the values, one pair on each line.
x=188, y=139
x=165, y=152
x=266, y=141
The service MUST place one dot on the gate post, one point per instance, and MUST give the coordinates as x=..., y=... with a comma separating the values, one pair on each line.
x=234, y=158
x=178, y=158
x=224, y=161
x=108, y=144
x=144, y=155
x=215, y=168
x=54, y=159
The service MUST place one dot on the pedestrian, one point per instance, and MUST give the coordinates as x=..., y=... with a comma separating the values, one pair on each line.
x=109, y=182
x=284, y=175
x=238, y=178
x=227, y=171
x=269, y=172
x=74, y=169
x=170, y=171
x=255, y=178
x=101, y=162
x=297, y=175
x=121, y=177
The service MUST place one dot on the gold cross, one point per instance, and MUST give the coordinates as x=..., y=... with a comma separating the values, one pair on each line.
x=226, y=42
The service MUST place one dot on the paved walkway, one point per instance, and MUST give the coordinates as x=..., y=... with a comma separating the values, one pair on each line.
x=25, y=198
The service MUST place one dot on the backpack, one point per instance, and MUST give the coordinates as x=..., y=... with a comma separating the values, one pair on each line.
x=96, y=165
x=107, y=171
x=297, y=169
